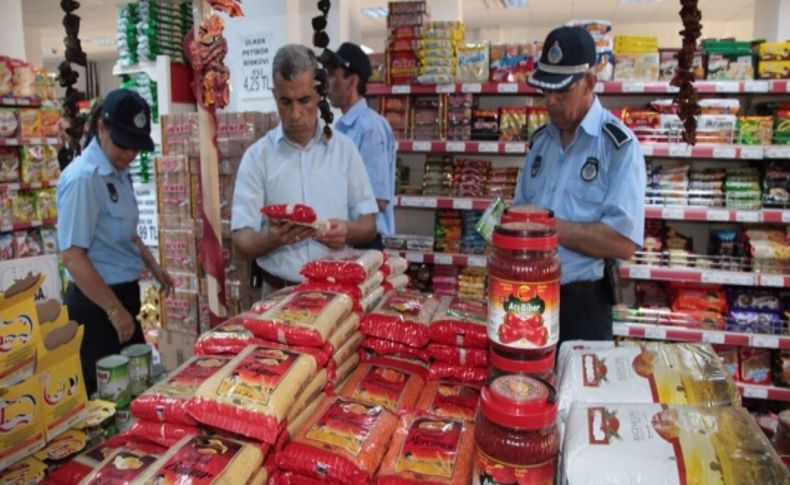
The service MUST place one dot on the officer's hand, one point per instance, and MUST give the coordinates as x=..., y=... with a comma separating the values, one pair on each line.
x=124, y=324
x=336, y=236
x=289, y=233
x=165, y=280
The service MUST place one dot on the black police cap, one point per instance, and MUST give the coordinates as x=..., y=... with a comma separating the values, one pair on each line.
x=568, y=53
x=128, y=118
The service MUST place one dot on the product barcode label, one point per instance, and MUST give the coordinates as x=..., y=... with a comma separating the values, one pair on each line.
x=445, y=88
x=401, y=89
x=442, y=259
x=515, y=147
x=747, y=216
x=455, y=146
x=755, y=392
x=657, y=333
x=488, y=147
x=713, y=338
x=507, y=88
x=765, y=341
x=724, y=152
x=471, y=87
x=421, y=146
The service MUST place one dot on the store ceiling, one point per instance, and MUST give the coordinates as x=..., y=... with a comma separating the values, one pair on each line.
x=98, y=17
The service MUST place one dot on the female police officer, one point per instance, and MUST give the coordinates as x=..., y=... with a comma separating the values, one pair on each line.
x=97, y=231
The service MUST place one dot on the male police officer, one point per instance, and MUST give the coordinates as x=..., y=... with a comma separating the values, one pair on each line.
x=589, y=169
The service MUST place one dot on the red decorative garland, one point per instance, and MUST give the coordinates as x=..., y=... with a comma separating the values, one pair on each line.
x=687, y=100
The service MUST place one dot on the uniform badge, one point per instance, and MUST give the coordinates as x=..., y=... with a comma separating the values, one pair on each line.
x=113, y=192
x=590, y=169
x=555, y=53
x=139, y=120
x=536, y=166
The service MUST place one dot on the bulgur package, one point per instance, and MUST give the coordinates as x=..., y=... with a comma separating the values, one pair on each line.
x=252, y=393
x=387, y=382
x=397, y=282
x=270, y=300
x=460, y=322
x=348, y=328
x=666, y=445
x=457, y=373
x=121, y=466
x=428, y=449
x=349, y=267
x=354, y=291
x=394, y=265
x=451, y=354
x=472, y=63
x=299, y=214
x=343, y=352
x=207, y=459
x=298, y=422
x=342, y=372
x=367, y=304
x=302, y=318
x=387, y=348
x=344, y=441
x=449, y=399
x=229, y=337
x=682, y=373
x=164, y=434
x=402, y=317
x=309, y=394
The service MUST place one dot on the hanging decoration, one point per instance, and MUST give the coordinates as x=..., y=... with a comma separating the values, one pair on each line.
x=321, y=41
x=67, y=78
x=687, y=99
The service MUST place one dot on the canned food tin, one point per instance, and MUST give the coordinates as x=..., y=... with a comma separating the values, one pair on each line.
x=112, y=376
x=139, y=367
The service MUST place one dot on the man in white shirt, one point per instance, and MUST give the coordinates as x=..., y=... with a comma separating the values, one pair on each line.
x=295, y=163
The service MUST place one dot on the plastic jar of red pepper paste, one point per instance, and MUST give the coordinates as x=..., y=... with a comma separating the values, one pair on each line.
x=543, y=368
x=516, y=434
x=524, y=291
x=529, y=213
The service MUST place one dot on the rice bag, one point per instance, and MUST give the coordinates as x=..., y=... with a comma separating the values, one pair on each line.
x=309, y=394
x=166, y=400
x=457, y=373
x=428, y=449
x=300, y=214
x=449, y=400
x=396, y=282
x=354, y=291
x=252, y=393
x=121, y=466
x=229, y=337
x=302, y=318
x=682, y=373
x=394, y=265
x=450, y=354
x=386, y=348
x=164, y=434
x=205, y=459
x=387, y=382
x=460, y=322
x=270, y=300
x=344, y=441
x=349, y=267
x=290, y=478
x=656, y=444
x=403, y=317
x=367, y=304
x=346, y=350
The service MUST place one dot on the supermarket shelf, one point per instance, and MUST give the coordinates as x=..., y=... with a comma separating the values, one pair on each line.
x=28, y=186
x=613, y=87
x=15, y=142
x=27, y=225
x=428, y=202
x=442, y=258
x=695, y=275
x=11, y=101
x=755, y=391
x=717, y=214
x=685, y=334
x=440, y=146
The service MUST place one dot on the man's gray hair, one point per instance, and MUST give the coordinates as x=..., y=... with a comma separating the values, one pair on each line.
x=291, y=60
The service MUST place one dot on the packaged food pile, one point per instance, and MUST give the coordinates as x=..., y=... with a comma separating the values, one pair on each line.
x=776, y=185
x=437, y=49
x=473, y=63
x=427, y=117
x=19, y=79
x=472, y=282
x=438, y=176
x=742, y=188
x=512, y=63
x=409, y=242
x=502, y=182
x=445, y=279
x=513, y=123
x=471, y=241
x=729, y=60
x=396, y=110
x=458, y=340
x=470, y=177
x=404, y=29
x=149, y=28
x=402, y=317
x=773, y=60
x=636, y=58
x=146, y=88
x=485, y=124
x=448, y=231
x=668, y=59
x=601, y=32
x=459, y=116
x=769, y=248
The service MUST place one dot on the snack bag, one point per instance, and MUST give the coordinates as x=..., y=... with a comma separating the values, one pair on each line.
x=402, y=317
x=252, y=393
x=24, y=80
x=344, y=441
x=457, y=373
x=6, y=77
x=45, y=201
x=29, y=124
x=450, y=400
x=755, y=366
x=24, y=209
x=460, y=322
x=300, y=214
x=303, y=318
x=9, y=123
x=50, y=122
x=387, y=382
x=428, y=449
x=512, y=62
x=9, y=164
x=472, y=63
x=20, y=333
x=348, y=267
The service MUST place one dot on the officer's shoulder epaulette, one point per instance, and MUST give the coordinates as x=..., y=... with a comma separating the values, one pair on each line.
x=616, y=132
x=535, y=134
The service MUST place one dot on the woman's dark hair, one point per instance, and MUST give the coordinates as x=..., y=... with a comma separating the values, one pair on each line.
x=93, y=122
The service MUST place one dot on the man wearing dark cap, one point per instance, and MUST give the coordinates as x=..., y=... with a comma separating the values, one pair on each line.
x=369, y=131
x=588, y=168
x=97, y=231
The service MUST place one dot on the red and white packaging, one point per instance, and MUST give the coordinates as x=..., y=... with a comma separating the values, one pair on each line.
x=458, y=355
x=449, y=399
x=396, y=282
x=356, y=292
x=394, y=265
x=350, y=267
x=300, y=214
x=460, y=322
x=402, y=317
x=164, y=434
x=269, y=301
x=457, y=373
x=391, y=383
x=387, y=348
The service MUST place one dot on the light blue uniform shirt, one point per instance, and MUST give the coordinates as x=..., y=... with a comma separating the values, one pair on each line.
x=326, y=175
x=373, y=137
x=97, y=211
x=614, y=196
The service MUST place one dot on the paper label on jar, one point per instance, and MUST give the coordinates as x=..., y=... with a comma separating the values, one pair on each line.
x=524, y=315
x=489, y=471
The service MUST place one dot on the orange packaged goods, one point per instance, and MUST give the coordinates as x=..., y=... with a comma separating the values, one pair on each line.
x=164, y=434
x=428, y=449
x=302, y=318
x=270, y=300
x=209, y=459
x=458, y=355
x=524, y=290
x=403, y=317
x=252, y=394
x=166, y=400
x=449, y=399
x=354, y=291
x=516, y=432
x=457, y=373
x=348, y=267
x=461, y=322
x=390, y=383
x=344, y=441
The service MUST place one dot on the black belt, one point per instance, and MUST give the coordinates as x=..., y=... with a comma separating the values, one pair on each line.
x=275, y=281
x=117, y=287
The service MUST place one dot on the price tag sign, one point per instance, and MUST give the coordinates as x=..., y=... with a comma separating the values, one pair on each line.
x=674, y=213
x=7, y=227
x=777, y=151
x=507, y=88
x=478, y=261
x=657, y=333
x=728, y=278
x=148, y=224
x=35, y=141
x=647, y=150
x=713, y=338
x=676, y=150
x=488, y=147
x=751, y=153
x=765, y=341
x=471, y=88
x=633, y=87
x=36, y=185
x=445, y=88
x=724, y=152
x=420, y=202
x=256, y=55
x=463, y=204
x=786, y=217
x=414, y=257
x=639, y=272
x=421, y=146
x=773, y=280
x=756, y=86
x=747, y=216
x=620, y=329
x=728, y=86
x=517, y=148
x=755, y=392
x=717, y=215
x=455, y=146
x=11, y=141
x=442, y=259
x=401, y=89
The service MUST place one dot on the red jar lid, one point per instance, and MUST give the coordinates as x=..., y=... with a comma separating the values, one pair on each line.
x=528, y=236
x=519, y=402
x=525, y=366
x=529, y=213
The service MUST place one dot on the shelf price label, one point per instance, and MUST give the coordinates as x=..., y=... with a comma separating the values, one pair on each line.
x=756, y=86
x=515, y=148
x=442, y=259
x=777, y=151
x=620, y=329
x=479, y=261
x=445, y=88
x=747, y=216
x=765, y=341
x=755, y=392
x=401, y=89
x=639, y=272
x=257, y=53
x=414, y=257
x=633, y=87
x=421, y=202
x=717, y=215
x=786, y=217
x=773, y=280
x=488, y=147
x=507, y=88
x=656, y=333
x=421, y=146
x=471, y=88
x=679, y=150
x=674, y=213
x=724, y=152
x=717, y=338
x=751, y=153
x=463, y=204
x=728, y=278
x=455, y=146
x=647, y=150
x=600, y=87
x=727, y=86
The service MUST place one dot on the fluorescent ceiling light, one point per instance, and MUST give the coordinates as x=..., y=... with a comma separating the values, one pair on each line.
x=375, y=12
x=513, y=3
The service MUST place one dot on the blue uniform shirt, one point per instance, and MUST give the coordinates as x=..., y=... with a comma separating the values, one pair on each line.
x=326, y=175
x=97, y=211
x=600, y=176
x=373, y=137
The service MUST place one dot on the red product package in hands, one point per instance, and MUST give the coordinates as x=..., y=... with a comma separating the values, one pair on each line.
x=460, y=322
x=462, y=356
x=348, y=267
x=300, y=214
x=457, y=373
x=403, y=317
